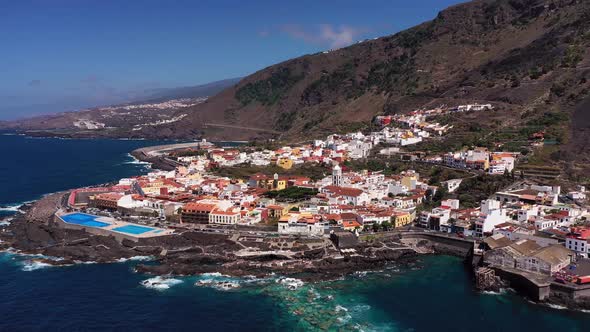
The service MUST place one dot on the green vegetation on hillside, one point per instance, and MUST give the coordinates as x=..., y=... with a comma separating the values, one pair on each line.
x=292, y=194
x=397, y=74
x=331, y=83
x=435, y=173
x=270, y=90
x=473, y=190
x=313, y=171
x=413, y=38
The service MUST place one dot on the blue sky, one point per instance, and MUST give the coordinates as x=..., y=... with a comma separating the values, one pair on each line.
x=59, y=55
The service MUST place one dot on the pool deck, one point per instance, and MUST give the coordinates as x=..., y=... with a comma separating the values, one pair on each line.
x=110, y=229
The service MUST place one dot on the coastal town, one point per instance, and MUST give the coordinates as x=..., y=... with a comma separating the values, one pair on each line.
x=526, y=228
x=369, y=166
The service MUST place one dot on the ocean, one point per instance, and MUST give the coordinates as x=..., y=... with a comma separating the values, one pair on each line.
x=434, y=294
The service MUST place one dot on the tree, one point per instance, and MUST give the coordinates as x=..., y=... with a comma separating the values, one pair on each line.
x=376, y=227
x=386, y=225
x=439, y=195
x=428, y=194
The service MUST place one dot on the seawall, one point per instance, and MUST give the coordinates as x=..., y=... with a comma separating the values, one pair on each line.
x=157, y=162
x=543, y=289
x=440, y=244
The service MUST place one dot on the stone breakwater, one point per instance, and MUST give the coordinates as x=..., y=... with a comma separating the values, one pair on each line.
x=156, y=157
x=157, y=162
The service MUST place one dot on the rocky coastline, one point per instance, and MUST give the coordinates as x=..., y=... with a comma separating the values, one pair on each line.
x=34, y=232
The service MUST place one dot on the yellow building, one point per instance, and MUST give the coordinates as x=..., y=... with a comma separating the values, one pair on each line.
x=401, y=219
x=194, y=176
x=276, y=184
x=277, y=211
x=285, y=163
x=263, y=181
x=409, y=181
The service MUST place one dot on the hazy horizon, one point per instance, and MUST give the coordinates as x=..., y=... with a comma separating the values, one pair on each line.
x=65, y=55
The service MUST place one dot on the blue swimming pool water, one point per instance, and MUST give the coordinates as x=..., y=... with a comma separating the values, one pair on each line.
x=133, y=229
x=84, y=220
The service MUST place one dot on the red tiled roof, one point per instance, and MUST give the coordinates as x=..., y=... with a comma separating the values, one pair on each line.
x=109, y=196
x=344, y=191
x=223, y=212
x=353, y=223
x=348, y=216
x=199, y=206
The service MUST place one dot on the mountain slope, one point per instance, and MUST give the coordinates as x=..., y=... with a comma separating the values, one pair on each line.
x=156, y=108
x=197, y=91
x=527, y=57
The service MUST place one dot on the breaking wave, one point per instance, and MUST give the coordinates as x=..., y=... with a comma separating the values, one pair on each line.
x=14, y=207
x=34, y=265
x=135, y=161
x=556, y=306
x=291, y=283
x=135, y=258
x=501, y=292
x=160, y=283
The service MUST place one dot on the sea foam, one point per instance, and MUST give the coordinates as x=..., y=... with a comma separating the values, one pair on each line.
x=135, y=258
x=291, y=283
x=34, y=265
x=160, y=283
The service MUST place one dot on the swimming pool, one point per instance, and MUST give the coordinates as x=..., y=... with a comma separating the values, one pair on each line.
x=133, y=229
x=84, y=219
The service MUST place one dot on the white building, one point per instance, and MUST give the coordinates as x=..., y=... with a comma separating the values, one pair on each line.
x=526, y=213
x=491, y=216
x=579, y=245
x=226, y=217
x=435, y=219
x=452, y=184
x=346, y=195
x=542, y=223
x=452, y=203
x=301, y=227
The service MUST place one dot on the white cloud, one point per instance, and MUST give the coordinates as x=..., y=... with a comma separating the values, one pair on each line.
x=324, y=34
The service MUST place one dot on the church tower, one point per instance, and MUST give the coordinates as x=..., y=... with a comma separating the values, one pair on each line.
x=337, y=176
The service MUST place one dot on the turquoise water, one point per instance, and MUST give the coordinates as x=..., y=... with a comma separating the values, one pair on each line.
x=435, y=294
x=83, y=219
x=133, y=229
